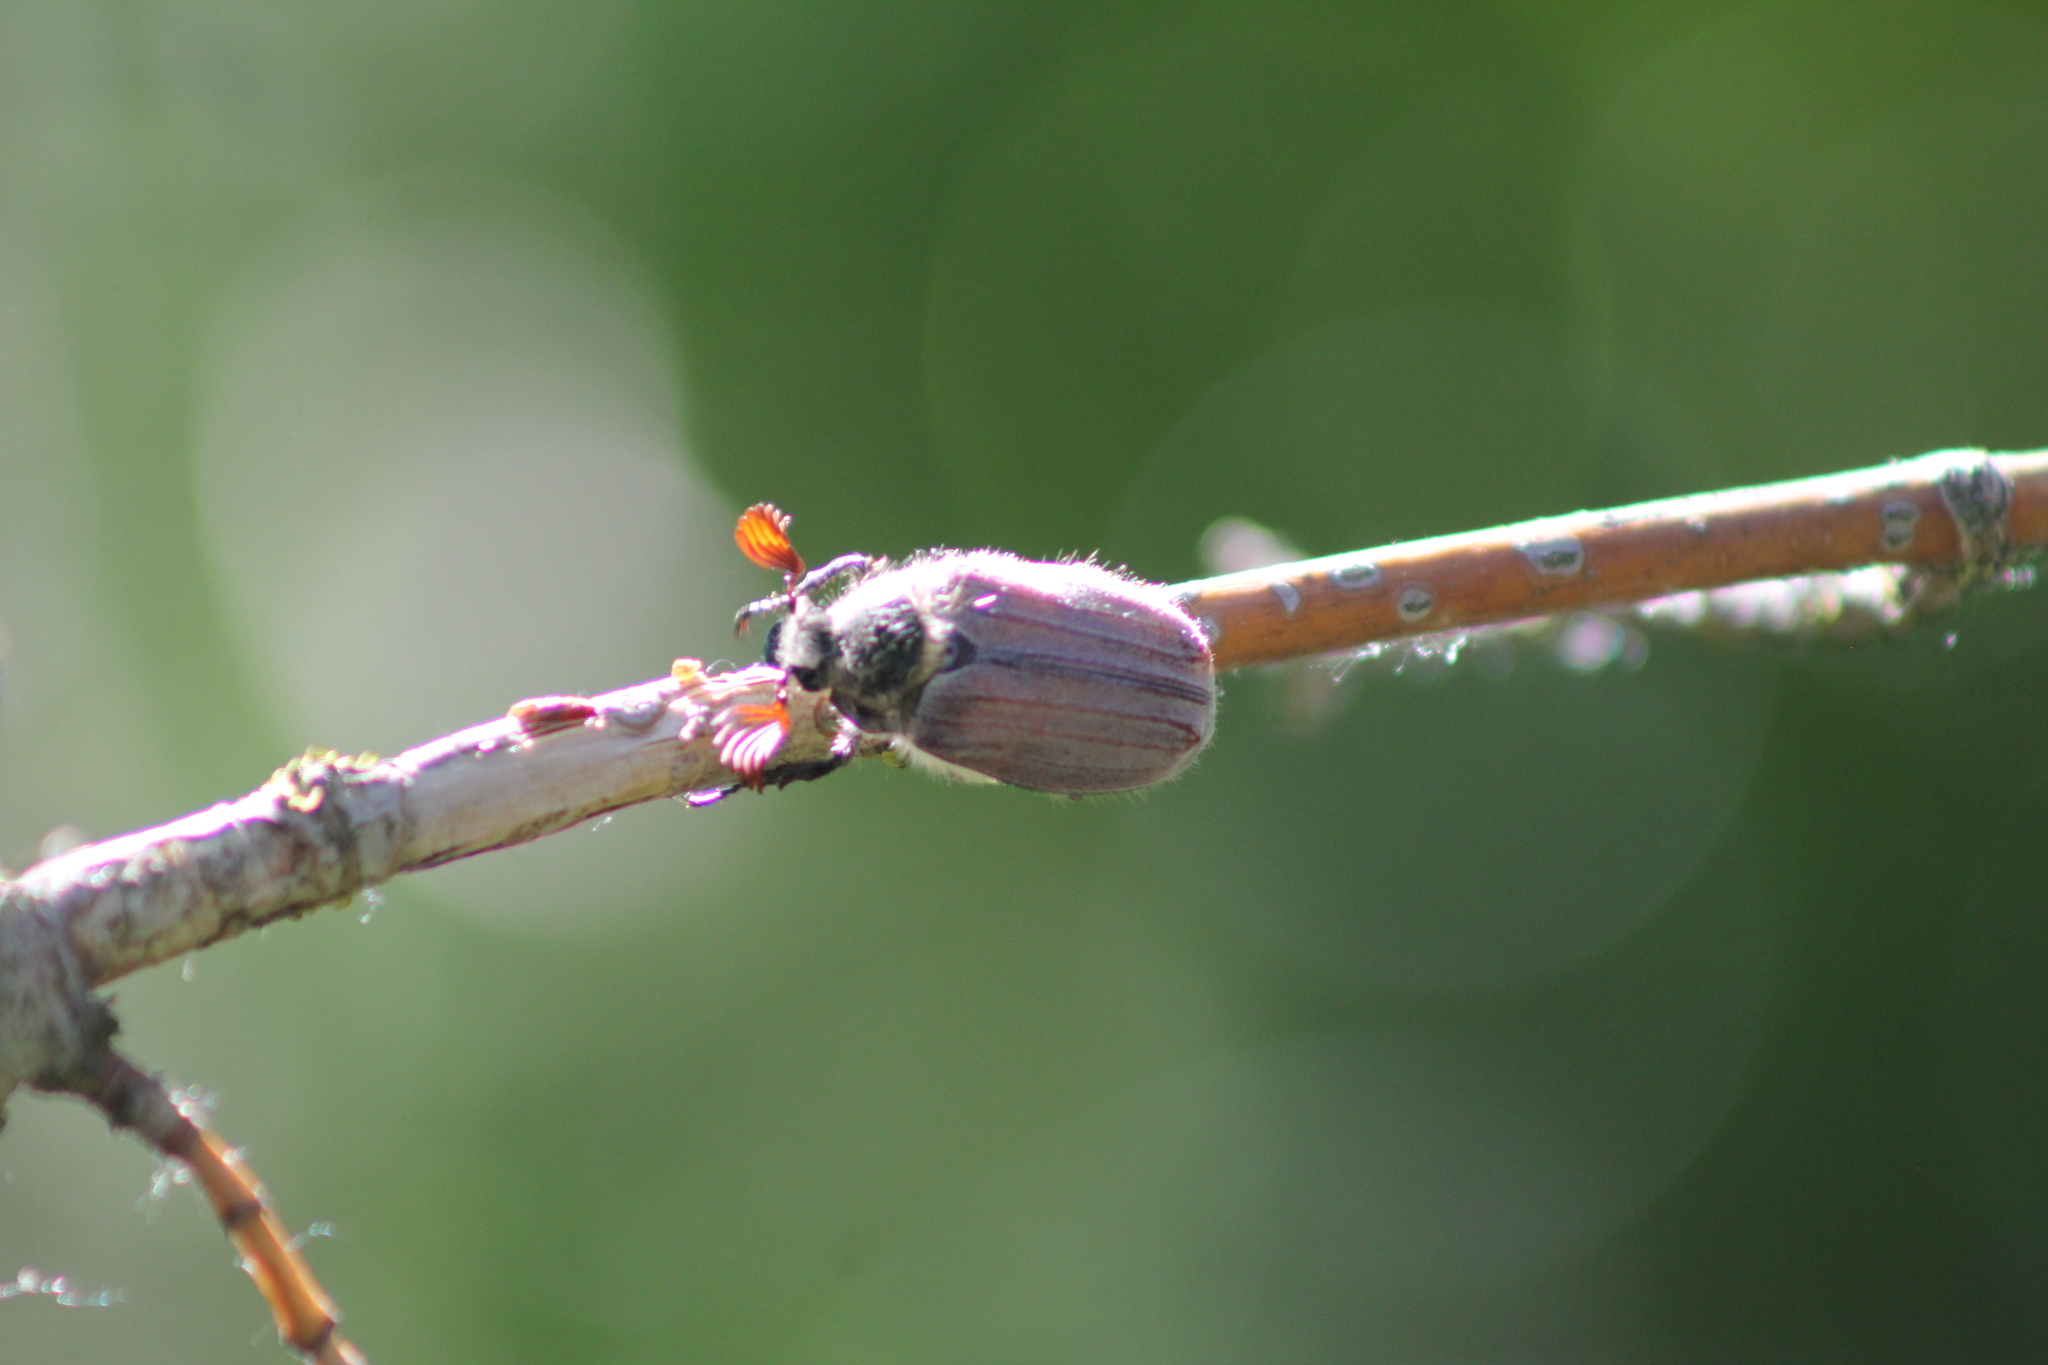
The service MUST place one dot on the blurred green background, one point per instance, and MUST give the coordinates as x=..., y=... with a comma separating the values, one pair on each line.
x=366, y=367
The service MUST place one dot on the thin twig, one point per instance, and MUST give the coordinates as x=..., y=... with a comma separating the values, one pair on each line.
x=133, y=1099
x=1912, y=512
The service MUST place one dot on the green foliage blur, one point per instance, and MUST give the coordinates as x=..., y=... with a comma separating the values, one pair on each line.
x=367, y=367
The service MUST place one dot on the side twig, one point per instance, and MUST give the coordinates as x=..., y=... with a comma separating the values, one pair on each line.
x=133, y=1099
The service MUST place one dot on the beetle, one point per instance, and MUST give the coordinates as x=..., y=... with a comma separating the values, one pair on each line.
x=1061, y=677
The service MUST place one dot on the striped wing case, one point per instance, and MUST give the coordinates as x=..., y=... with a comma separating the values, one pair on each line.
x=1065, y=678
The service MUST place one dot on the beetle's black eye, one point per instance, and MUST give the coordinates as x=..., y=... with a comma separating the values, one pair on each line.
x=809, y=649
x=771, y=651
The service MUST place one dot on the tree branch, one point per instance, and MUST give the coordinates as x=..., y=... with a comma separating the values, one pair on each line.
x=327, y=826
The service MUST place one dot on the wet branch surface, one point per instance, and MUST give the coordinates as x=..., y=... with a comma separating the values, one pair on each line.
x=328, y=826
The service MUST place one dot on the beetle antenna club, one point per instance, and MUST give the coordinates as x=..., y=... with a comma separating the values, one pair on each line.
x=763, y=537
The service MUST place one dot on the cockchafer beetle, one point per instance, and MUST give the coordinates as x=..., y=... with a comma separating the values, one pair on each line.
x=1059, y=677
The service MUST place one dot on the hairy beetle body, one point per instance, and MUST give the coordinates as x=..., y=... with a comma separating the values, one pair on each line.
x=1057, y=677
x=1061, y=677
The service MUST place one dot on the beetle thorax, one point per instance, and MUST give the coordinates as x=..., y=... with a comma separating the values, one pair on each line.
x=885, y=644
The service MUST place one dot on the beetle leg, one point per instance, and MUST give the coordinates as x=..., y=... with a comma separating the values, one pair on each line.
x=845, y=748
x=825, y=575
x=767, y=606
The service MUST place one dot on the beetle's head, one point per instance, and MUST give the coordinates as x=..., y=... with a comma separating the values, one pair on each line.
x=803, y=643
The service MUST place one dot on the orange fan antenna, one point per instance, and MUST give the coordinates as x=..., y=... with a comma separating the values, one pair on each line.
x=763, y=537
x=756, y=734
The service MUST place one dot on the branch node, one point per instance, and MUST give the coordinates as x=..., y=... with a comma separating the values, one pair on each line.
x=52, y=1028
x=302, y=784
x=1979, y=496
